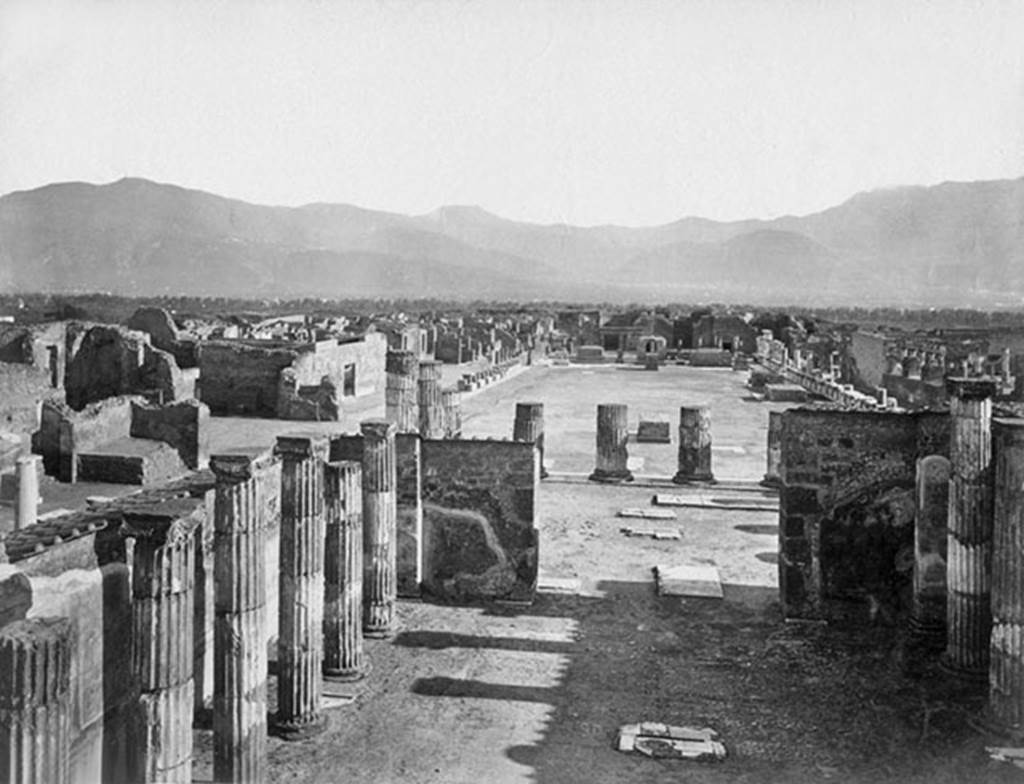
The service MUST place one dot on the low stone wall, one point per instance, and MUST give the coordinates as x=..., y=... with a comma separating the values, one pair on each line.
x=65, y=433
x=479, y=517
x=184, y=425
x=847, y=508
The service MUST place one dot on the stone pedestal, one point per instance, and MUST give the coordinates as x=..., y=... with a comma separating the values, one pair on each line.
x=694, y=445
x=401, y=393
x=163, y=581
x=431, y=409
x=240, y=635
x=1006, y=667
x=529, y=427
x=928, y=612
x=35, y=696
x=26, y=506
x=301, y=587
x=451, y=406
x=343, y=572
x=969, y=547
x=612, y=439
x=772, y=474
x=379, y=522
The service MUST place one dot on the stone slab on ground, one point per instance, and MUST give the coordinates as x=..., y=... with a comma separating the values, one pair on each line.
x=654, y=533
x=703, y=501
x=558, y=584
x=693, y=579
x=648, y=514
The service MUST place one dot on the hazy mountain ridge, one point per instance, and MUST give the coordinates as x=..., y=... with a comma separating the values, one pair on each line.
x=955, y=243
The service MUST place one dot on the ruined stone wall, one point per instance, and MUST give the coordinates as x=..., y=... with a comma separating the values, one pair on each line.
x=479, y=518
x=184, y=425
x=865, y=355
x=241, y=378
x=331, y=357
x=846, y=509
x=22, y=389
x=914, y=392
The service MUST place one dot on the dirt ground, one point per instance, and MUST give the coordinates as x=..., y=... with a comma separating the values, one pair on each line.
x=507, y=694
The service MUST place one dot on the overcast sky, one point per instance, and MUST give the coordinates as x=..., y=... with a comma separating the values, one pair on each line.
x=586, y=112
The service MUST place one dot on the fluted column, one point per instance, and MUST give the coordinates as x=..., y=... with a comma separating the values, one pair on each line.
x=431, y=410
x=301, y=587
x=928, y=611
x=343, y=572
x=27, y=501
x=379, y=520
x=451, y=407
x=772, y=476
x=163, y=582
x=529, y=427
x=969, y=548
x=240, y=635
x=35, y=697
x=612, y=437
x=1006, y=667
x=401, y=392
x=694, y=445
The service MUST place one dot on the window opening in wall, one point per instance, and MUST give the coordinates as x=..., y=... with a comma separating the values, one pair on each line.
x=349, y=381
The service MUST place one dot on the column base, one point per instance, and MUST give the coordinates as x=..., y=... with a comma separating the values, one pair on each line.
x=929, y=635
x=610, y=477
x=988, y=724
x=970, y=675
x=687, y=479
x=298, y=730
x=347, y=676
x=378, y=634
x=771, y=481
x=544, y=473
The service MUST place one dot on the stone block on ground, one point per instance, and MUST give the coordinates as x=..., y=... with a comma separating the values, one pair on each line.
x=648, y=514
x=654, y=432
x=693, y=579
x=131, y=461
x=653, y=533
x=785, y=393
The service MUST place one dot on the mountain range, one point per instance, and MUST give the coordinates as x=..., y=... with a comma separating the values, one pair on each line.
x=954, y=244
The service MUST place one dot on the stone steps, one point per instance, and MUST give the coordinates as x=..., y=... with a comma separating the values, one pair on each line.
x=131, y=461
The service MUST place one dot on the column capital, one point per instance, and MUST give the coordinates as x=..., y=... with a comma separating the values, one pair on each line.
x=240, y=465
x=401, y=362
x=162, y=522
x=302, y=446
x=378, y=429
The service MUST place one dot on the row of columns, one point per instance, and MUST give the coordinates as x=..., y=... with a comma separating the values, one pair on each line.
x=414, y=399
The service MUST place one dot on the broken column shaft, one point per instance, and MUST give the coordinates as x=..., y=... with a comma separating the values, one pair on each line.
x=240, y=636
x=969, y=546
x=401, y=393
x=380, y=583
x=300, y=587
x=343, y=572
x=431, y=409
x=928, y=611
x=451, y=406
x=612, y=437
x=35, y=697
x=1006, y=667
x=772, y=476
x=529, y=427
x=694, y=445
x=27, y=501
x=163, y=582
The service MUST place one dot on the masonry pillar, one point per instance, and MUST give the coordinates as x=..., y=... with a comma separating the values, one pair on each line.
x=451, y=405
x=240, y=635
x=163, y=656
x=379, y=519
x=529, y=426
x=1006, y=668
x=431, y=410
x=301, y=587
x=612, y=437
x=694, y=445
x=969, y=556
x=928, y=611
x=343, y=572
x=401, y=393
x=772, y=476
x=35, y=697
x=27, y=504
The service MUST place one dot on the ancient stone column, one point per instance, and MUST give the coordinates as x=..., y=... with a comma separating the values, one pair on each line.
x=240, y=635
x=928, y=611
x=612, y=437
x=969, y=548
x=35, y=697
x=694, y=445
x=380, y=583
x=772, y=477
x=401, y=392
x=1006, y=667
x=529, y=426
x=27, y=501
x=343, y=572
x=301, y=587
x=163, y=580
x=431, y=410
x=451, y=406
